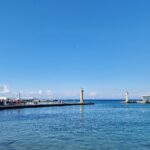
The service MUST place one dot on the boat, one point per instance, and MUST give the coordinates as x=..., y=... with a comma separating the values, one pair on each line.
x=142, y=102
x=145, y=99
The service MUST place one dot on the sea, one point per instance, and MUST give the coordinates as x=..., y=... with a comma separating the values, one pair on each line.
x=106, y=125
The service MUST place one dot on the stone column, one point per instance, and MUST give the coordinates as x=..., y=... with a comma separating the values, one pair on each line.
x=81, y=95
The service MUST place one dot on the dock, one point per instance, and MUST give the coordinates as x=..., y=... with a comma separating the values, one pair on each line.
x=144, y=100
x=18, y=104
x=137, y=102
x=42, y=105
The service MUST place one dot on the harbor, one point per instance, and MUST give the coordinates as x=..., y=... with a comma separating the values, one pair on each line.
x=144, y=100
x=6, y=103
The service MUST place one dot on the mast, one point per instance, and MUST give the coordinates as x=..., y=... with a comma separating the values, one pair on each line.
x=19, y=95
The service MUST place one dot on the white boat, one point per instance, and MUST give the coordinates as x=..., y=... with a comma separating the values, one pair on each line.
x=146, y=98
x=142, y=102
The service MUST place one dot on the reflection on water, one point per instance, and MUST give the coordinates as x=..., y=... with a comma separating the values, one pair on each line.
x=105, y=125
x=81, y=112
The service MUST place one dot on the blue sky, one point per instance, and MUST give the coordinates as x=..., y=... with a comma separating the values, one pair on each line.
x=55, y=47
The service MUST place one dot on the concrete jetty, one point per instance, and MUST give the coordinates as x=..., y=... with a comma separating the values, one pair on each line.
x=42, y=105
x=38, y=103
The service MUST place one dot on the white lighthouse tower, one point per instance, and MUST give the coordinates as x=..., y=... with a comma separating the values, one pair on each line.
x=126, y=97
x=81, y=96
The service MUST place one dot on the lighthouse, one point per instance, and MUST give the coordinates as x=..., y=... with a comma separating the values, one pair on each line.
x=126, y=97
x=81, y=95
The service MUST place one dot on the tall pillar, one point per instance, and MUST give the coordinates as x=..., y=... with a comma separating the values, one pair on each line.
x=81, y=95
x=126, y=97
x=19, y=96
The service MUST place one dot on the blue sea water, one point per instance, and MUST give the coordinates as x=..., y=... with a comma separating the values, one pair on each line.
x=107, y=125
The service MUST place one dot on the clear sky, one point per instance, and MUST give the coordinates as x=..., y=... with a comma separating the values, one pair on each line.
x=54, y=47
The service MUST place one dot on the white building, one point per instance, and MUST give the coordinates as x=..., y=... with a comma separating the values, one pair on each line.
x=3, y=98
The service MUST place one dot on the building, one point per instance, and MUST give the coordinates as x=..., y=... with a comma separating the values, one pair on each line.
x=3, y=98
